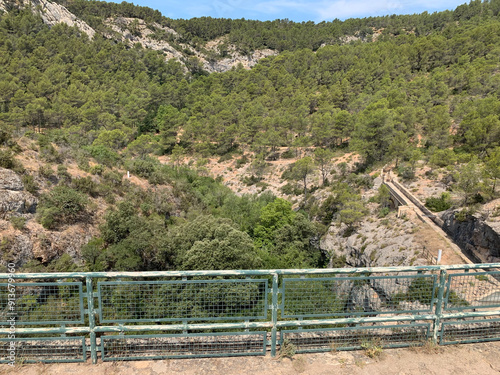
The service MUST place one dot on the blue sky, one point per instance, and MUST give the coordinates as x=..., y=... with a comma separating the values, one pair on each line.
x=295, y=10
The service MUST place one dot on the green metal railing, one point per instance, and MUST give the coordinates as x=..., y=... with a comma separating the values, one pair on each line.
x=69, y=317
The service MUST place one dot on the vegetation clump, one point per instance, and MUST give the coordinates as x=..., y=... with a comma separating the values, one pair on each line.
x=62, y=205
x=442, y=203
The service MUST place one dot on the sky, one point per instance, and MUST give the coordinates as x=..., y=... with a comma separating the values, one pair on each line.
x=295, y=10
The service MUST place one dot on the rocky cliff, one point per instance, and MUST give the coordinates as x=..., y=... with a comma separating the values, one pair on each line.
x=380, y=242
x=22, y=238
x=13, y=199
x=478, y=237
x=133, y=30
x=53, y=14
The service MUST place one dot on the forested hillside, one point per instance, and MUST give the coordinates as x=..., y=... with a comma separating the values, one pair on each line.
x=396, y=89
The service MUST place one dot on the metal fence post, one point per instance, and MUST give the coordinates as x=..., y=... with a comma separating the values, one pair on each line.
x=439, y=305
x=90, y=302
x=274, y=316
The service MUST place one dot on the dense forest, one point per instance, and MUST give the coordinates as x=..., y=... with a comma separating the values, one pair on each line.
x=424, y=87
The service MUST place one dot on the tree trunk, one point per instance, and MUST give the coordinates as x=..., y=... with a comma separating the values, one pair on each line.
x=305, y=187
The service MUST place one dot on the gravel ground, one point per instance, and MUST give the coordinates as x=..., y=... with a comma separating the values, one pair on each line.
x=468, y=359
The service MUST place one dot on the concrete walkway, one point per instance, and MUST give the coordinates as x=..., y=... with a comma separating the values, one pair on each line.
x=402, y=193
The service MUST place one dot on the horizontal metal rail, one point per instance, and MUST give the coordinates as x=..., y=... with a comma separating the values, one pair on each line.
x=315, y=271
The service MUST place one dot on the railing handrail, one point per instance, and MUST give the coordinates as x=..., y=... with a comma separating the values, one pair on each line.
x=439, y=291
x=267, y=272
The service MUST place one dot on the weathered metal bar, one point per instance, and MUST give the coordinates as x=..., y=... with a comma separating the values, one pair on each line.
x=274, y=315
x=64, y=275
x=60, y=330
x=439, y=305
x=247, y=325
x=182, y=327
x=305, y=323
x=90, y=303
x=471, y=314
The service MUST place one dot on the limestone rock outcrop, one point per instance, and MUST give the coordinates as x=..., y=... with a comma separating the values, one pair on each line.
x=479, y=238
x=53, y=14
x=9, y=180
x=13, y=198
x=233, y=61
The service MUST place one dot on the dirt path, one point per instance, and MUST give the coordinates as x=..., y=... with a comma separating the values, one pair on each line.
x=471, y=359
x=428, y=237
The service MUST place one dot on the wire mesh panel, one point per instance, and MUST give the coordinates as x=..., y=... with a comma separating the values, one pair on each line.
x=477, y=330
x=360, y=295
x=358, y=337
x=43, y=349
x=133, y=347
x=135, y=301
x=41, y=303
x=472, y=290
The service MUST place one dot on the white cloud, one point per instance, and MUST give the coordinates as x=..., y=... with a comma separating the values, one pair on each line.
x=320, y=10
x=315, y=10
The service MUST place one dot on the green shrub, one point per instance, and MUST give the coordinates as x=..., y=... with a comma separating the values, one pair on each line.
x=49, y=217
x=62, y=174
x=97, y=169
x=439, y=204
x=252, y=180
x=463, y=214
x=62, y=205
x=46, y=171
x=442, y=158
x=50, y=154
x=18, y=222
x=6, y=159
x=143, y=167
x=85, y=185
x=64, y=264
x=225, y=157
x=104, y=155
x=288, y=189
x=241, y=161
x=288, y=154
x=406, y=172
x=30, y=184
x=384, y=212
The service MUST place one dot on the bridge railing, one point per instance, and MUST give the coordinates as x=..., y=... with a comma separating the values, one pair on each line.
x=71, y=317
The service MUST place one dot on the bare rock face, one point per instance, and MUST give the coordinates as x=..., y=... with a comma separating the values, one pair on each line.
x=480, y=239
x=228, y=63
x=17, y=249
x=376, y=243
x=53, y=14
x=9, y=180
x=20, y=202
x=12, y=197
x=143, y=34
x=364, y=298
x=71, y=240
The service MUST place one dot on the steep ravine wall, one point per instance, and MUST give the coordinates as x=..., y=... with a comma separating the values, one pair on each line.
x=479, y=239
